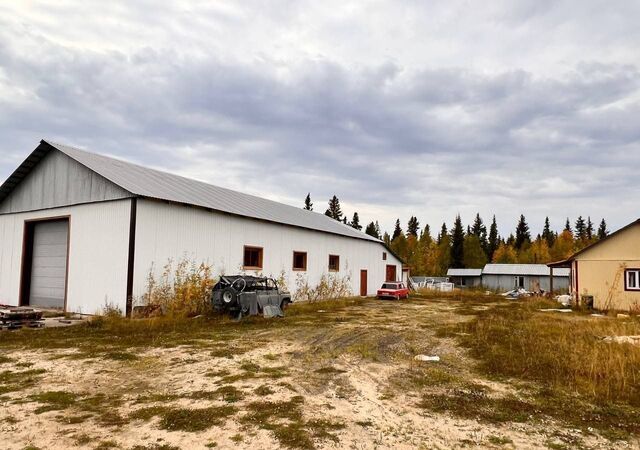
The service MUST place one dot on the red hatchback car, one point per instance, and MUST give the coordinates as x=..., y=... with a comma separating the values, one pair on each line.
x=392, y=289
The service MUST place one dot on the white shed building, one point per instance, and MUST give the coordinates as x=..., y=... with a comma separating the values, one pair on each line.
x=80, y=230
x=533, y=277
x=465, y=277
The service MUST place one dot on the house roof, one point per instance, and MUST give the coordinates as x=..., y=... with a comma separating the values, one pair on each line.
x=523, y=269
x=567, y=262
x=154, y=184
x=464, y=272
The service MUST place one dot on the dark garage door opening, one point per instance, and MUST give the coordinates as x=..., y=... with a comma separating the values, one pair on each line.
x=44, y=264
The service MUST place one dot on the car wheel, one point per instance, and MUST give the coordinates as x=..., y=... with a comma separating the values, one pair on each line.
x=285, y=304
x=229, y=296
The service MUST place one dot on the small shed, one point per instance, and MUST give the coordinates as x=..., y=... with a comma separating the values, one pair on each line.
x=532, y=277
x=465, y=277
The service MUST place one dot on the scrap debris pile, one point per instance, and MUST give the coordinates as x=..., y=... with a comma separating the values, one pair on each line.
x=20, y=316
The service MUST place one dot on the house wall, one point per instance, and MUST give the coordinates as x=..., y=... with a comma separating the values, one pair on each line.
x=169, y=231
x=604, y=280
x=57, y=181
x=98, y=249
x=503, y=283
x=600, y=270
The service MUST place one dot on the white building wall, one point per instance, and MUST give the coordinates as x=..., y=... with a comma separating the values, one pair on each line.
x=168, y=231
x=98, y=252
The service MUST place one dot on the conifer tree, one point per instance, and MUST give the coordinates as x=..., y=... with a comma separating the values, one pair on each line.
x=426, y=232
x=307, y=203
x=602, y=230
x=547, y=234
x=581, y=229
x=457, y=244
x=334, y=210
x=378, y=230
x=355, y=222
x=413, y=226
x=386, y=238
x=589, y=228
x=371, y=230
x=522, y=233
x=443, y=232
x=494, y=239
x=567, y=226
x=397, y=230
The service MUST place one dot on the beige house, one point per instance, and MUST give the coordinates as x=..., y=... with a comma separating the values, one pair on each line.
x=607, y=273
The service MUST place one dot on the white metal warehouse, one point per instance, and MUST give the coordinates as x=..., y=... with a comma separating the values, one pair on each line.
x=80, y=230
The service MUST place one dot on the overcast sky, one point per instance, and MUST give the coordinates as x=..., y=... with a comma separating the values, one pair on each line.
x=399, y=108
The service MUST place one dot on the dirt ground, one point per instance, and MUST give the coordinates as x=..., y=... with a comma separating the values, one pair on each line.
x=326, y=378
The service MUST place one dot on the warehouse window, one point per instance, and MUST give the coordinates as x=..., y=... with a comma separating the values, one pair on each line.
x=632, y=279
x=384, y=256
x=300, y=261
x=334, y=263
x=252, y=257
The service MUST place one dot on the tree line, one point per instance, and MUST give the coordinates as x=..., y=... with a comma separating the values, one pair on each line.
x=475, y=245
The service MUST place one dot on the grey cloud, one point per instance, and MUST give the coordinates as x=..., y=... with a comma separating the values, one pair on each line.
x=386, y=135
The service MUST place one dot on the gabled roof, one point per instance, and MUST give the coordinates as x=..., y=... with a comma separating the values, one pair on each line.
x=523, y=269
x=567, y=262
x=154, y=184
x=464, y=272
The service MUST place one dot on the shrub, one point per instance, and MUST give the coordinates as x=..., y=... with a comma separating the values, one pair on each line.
x=330, y=287
x=183, y=290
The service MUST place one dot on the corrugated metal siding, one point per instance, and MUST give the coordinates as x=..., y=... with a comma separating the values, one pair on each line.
x=522, y=269
x=464, y=272
x=98, y=251
x=58, y=180
x=503, y=283
x=166, y=231
x=166, y=186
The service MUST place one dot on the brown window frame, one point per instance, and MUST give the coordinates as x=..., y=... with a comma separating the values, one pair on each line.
x=384, y=256
x=304, y=266
x=260, y=257
x=626, y=280
x=337, y=266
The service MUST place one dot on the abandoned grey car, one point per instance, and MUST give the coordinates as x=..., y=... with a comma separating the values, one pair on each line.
x=245, y=295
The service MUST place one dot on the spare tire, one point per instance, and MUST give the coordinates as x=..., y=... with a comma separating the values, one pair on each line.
x=229, y=296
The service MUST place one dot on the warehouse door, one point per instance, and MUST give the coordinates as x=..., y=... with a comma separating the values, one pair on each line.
x=391, y=273
x=363, y=283
x=45, y=269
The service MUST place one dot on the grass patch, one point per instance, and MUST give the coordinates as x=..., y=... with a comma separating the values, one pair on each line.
x=364, y=423
x=105, y=445
x=285, y=420
x=563, y=359
x=193, y=420
x=562, y=352
x=330, y=370
x=476, y=404
x=82, y=439
x=499, y=440
x=5, y=359
x=54, y=400
x=146, y=414
x=185, y=419
x=263, y=390
x=156, y=398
